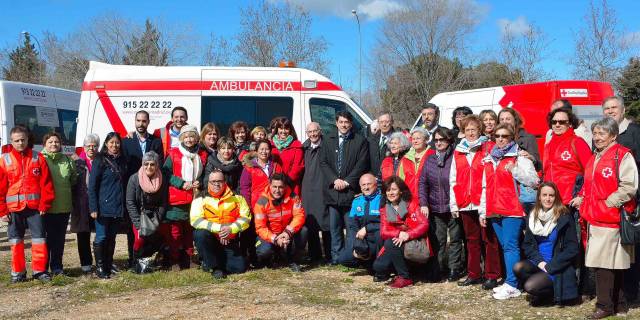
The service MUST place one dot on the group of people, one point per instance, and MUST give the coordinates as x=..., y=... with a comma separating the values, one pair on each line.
x=474, y=200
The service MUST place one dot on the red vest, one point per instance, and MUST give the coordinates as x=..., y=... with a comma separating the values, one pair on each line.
x=501, y=191
x=599, y=183
x=179, y=196
x=468, y=187
x=562, y=165
x=259, y=180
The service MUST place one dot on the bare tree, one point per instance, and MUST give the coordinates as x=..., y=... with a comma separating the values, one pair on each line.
x=218, y=52
x=271, y=32
x=67, y=65
x=601, y=48
x=522, y=54
x=418, y=53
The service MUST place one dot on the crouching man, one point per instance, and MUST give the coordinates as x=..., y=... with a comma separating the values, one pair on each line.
x=217, y=216
x=279, y=220
x=363, y=226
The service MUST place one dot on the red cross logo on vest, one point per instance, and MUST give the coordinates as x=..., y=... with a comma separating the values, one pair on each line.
x=607, y=172
x=565, y=155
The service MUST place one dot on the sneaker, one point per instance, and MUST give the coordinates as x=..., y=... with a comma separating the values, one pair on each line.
x=218, y=274
x=114, y=269
x=507, y=292
x=42, y=277
x=400, y=282
x=20, y=277
x=498, y=288
x=295, y=267
x=86, y=269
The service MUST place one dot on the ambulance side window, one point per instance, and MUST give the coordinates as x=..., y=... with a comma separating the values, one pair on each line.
x=255, y=111
x=66, y=123
x=323, y=111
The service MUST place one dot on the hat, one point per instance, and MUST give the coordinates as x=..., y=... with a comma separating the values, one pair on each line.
x=361, y=249
x=188, y=128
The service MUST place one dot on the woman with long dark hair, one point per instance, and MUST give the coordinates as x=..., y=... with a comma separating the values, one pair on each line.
x=107, y=182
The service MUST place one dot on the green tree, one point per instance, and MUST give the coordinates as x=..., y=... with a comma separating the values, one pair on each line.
x=147, y=49
x=25, y=64
x=628, y=84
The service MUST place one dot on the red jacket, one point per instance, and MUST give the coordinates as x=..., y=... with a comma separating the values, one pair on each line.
x=411, y=175
x=271, y=219
x=25, y=182
x=386, y=168
x=179, y=196
x=291, y=159
x=566, y=156
x=414, y=223
x=165, y=137
x=254, y=181
x=468, y=187
x=599, y=183
x=501, y=194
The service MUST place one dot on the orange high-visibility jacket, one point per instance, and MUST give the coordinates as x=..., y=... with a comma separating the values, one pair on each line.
x=271, y=219
x=25, y=182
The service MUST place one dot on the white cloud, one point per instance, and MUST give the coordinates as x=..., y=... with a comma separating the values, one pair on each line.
x=632, y=38
x=367, y=9
x=516, y=27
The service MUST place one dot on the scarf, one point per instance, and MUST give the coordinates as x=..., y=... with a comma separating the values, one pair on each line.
x=149, y=184
x=498, y=153
x=442, y=156
x=465, y=146
x=543, y=224
x=281, y=144
x=222, y=161
x=191, y=164
x=392, y=213
x=83, y=156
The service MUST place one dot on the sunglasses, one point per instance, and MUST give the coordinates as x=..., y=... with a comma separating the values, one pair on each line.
x=561, y=122
x=502, y=136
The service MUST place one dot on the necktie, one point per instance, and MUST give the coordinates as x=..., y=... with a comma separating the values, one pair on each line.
x=341, y=151
x=383, y=142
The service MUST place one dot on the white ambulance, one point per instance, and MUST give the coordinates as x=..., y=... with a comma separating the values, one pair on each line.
x=40, y=108
x=112, y=94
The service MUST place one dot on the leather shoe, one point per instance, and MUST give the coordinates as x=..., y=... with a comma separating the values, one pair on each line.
x=469, y=282
x=490, y=284
x=380, y=278
x=454, y=275
x=600, y=314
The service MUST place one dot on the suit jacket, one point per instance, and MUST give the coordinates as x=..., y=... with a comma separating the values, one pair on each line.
x=133, y=154
x=376, y=153
x=355, y=163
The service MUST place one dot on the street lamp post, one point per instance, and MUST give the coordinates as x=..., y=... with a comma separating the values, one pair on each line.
x=359, y=52
x=27, y=34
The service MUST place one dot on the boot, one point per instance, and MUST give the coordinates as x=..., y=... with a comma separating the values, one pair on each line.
x=98, y=252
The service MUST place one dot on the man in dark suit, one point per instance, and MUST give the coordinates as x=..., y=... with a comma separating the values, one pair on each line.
x=139, y=143
x=378, y=142
x=344, y=157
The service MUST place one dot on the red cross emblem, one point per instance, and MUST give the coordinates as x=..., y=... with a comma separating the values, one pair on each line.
x=565, y=155
x=607, y=172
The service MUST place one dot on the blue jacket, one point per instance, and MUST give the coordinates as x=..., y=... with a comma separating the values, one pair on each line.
x=107, y=186
x=358, y=218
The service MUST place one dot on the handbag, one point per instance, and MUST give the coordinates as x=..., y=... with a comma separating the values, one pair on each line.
x=629, y=221
x=417, y=250
x=148, y=224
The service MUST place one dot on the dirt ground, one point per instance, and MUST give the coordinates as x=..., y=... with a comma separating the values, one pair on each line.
x=317, y=293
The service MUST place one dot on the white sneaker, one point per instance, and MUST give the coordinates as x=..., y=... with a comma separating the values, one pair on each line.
x=507, y=292
x=498, y=288
x=85, y=268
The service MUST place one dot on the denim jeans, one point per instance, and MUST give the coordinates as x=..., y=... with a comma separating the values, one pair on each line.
x=265, y=250
x=508, y=230
x=215, y=256
x=337, y=223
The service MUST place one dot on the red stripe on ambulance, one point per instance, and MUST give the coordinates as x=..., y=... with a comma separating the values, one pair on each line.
x=218, y=85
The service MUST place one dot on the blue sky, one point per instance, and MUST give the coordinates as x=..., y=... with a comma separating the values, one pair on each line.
x=332, y=20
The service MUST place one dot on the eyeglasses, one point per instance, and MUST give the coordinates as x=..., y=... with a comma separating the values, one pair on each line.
x=212, y=182
x=560, y=122
x=91, y=146
x=436, y=140
x=149, y=164
x=502, y=136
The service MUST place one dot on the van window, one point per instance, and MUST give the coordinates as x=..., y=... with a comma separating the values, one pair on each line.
x=255, y=111
x=26, y=116
x=323, y=111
